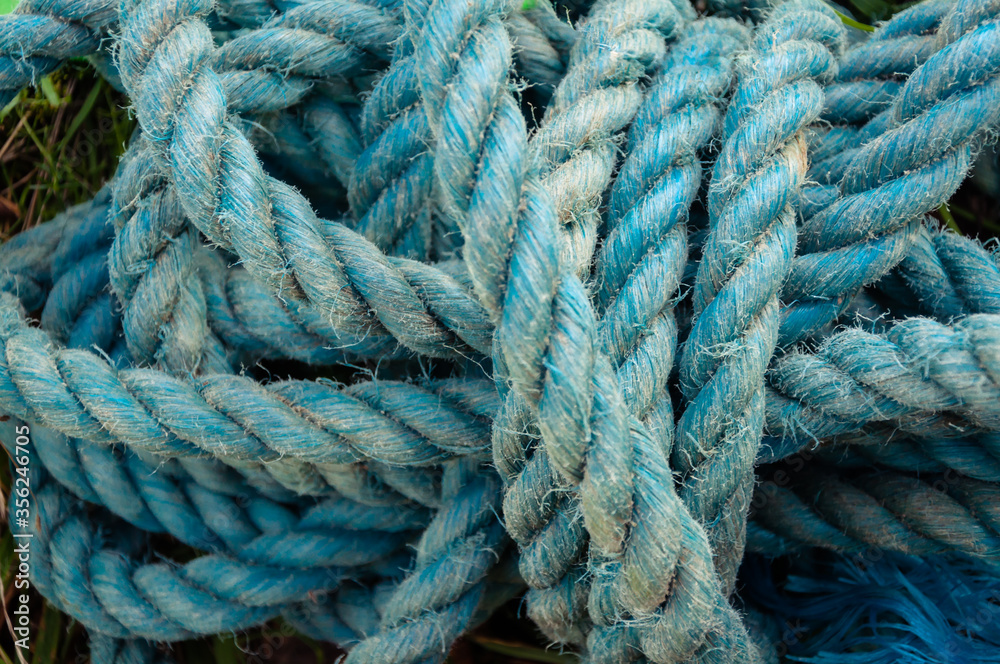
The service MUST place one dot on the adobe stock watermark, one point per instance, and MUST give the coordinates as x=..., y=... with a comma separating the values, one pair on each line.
x=19, y=619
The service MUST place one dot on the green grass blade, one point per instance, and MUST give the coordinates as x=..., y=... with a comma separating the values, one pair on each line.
x=5, y=658
x=5, y=111
x=848, y=21
x=88, y=106
x=40, y=144
x=225, y=650
x=948, y=219
x=46, y=642
x=529, y=653
x=49, y=90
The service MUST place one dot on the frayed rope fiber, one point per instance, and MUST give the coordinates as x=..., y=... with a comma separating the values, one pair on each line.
x=395, y=311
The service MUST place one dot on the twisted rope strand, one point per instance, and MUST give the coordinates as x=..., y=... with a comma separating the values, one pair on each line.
x=82, y=396
x=898, y=176
x=919, y=377
x=863, y=345
x=641, y=261
x=111, y=593
x=573, y=149
x=151, y=264
x=33, y=259
x=437, y=601
x=446, y=300
x=881, y=510
x=977, y=457
x=744, y=261
x=335, y=532
x=38, y=36
x=949, y=276
x=557, y=153
x=869, y=76
x=270, y=226
x=167, y=322
x=858, y=101
x=547, y=338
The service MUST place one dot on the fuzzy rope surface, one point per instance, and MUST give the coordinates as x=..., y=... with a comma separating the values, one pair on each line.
x=395, y=310
x=871, y=224
x=745, y=259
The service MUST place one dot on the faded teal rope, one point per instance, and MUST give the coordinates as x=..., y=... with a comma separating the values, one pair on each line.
x=545, y=164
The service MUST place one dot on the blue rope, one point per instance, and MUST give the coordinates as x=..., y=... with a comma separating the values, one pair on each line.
x=891, y=608
x=922, y=378
x=975, y=457
x=500, y=226
x=868, y=79
x=744, y=262
x=124, y=598
x=881, y=510
x=871, y=223
x=948, y=275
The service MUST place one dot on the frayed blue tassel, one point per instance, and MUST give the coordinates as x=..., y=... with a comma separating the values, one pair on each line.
x=884, y=609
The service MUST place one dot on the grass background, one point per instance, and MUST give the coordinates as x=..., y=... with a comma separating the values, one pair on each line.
x=59, y=143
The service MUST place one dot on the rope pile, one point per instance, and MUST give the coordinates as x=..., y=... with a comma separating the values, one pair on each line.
x=395, y=310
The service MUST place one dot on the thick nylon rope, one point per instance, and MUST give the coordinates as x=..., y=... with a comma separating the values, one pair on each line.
x=149, y=498
x=975, y=457
x=799, y=400
x=473, y=108
x=121, y=597
x=745, y=259
x=815, y=378
x=948, y=275
x=880, y=510
x=922, y=378
x=871, y=223
x=549, y=160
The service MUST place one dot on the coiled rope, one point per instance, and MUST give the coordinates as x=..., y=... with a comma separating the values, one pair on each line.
x=592, y=258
